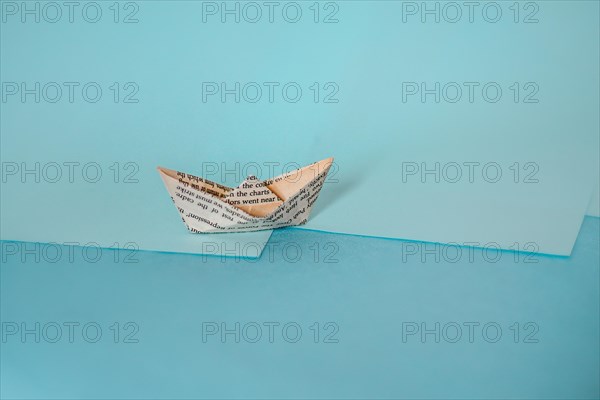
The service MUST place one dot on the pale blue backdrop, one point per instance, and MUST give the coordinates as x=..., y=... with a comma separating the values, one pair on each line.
x=366, y=292
x=365, y=58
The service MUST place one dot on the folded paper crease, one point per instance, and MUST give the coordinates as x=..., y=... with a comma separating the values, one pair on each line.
x=285, y=200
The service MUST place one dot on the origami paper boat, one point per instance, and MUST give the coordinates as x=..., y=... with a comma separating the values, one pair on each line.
x=285, y=200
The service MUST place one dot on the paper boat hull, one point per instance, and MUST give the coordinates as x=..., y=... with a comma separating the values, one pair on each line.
x=204, y=205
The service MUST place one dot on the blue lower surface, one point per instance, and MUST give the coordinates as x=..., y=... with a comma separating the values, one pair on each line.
x=378, y=319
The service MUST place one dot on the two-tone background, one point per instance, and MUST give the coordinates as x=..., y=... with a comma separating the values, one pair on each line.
x=453, y=252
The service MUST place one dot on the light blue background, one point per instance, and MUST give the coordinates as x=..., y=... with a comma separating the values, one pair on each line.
x=371, y=290
x=370, y=132
x=368, y=293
